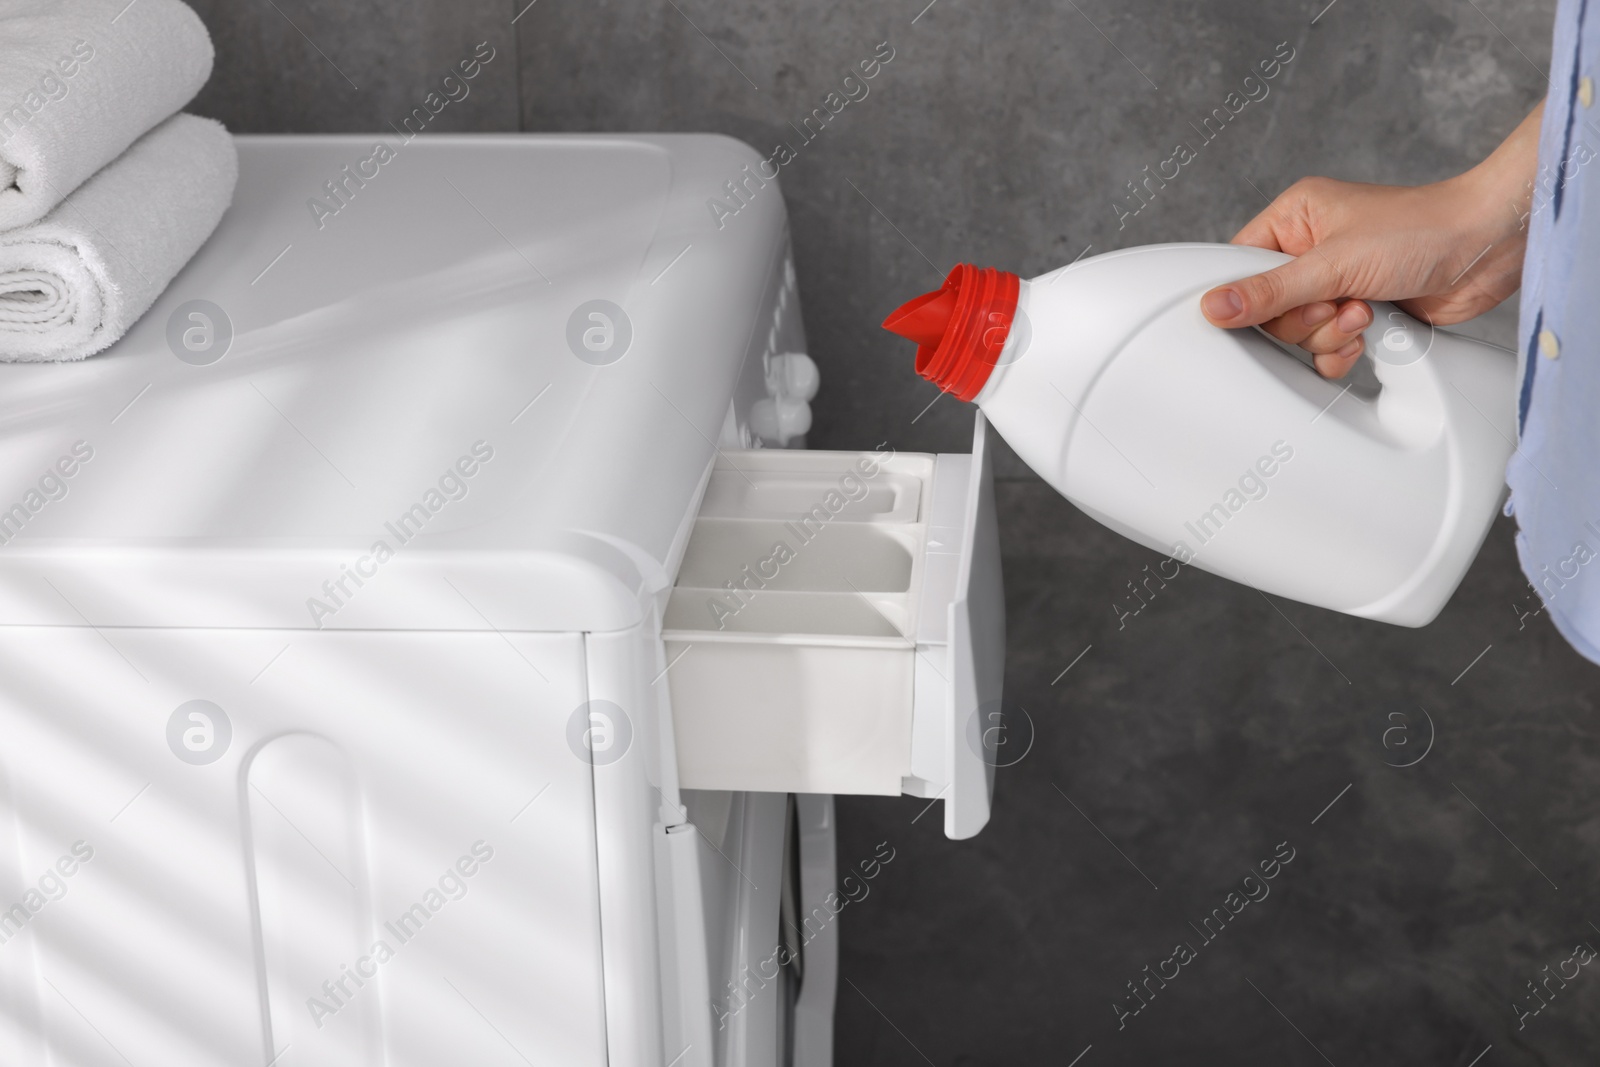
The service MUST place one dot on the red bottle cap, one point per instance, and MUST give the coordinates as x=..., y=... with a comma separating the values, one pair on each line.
x=960, y=328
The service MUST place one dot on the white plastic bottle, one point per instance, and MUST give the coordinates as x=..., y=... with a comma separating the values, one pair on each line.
x=1217, y=447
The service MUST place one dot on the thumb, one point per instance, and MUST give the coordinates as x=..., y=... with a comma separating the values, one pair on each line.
x=1263, y=297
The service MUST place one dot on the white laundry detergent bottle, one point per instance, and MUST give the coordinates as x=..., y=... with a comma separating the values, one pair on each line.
x=1220, y=449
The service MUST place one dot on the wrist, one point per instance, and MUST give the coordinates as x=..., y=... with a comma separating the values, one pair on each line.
x=1495, y=197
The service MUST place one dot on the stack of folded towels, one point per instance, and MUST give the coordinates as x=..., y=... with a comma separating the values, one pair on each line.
x=105, y=190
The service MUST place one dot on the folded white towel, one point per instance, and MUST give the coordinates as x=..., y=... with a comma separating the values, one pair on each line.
x=72, y=283
x=81, y=80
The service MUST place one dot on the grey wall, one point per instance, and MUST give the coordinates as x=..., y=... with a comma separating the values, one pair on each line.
x=1000, y=133
x=1187, y=743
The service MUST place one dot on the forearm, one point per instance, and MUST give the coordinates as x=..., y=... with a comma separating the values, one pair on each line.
x=1502, y=186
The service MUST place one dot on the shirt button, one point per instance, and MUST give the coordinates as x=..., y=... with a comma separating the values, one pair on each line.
x=1549, y=345
x=1586, y=91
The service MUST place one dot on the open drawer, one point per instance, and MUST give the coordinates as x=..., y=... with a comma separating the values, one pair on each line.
x=838, y=626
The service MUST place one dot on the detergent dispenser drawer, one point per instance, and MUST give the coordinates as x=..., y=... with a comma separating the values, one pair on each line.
x=838, y=626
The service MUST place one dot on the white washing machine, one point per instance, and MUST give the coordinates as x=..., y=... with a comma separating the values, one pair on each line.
x=410, y=654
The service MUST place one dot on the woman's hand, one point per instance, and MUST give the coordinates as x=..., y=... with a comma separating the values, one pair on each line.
x=1444, y=252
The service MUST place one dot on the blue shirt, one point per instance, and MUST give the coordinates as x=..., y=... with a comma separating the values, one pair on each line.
x=1555, y=472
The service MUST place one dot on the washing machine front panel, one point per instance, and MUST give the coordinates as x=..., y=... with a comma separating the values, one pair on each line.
x=319, y=849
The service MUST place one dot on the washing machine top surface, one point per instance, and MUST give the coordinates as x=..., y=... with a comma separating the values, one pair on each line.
x=460, y=382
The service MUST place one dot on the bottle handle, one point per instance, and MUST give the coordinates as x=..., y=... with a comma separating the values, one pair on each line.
x=1411, y=407
x=1411, y=404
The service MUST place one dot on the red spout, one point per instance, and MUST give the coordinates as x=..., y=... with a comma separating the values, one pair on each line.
x=924, y=318
x=960, y=328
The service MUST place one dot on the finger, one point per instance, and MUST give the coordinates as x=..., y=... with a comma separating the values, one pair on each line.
x=1267, y=229
x=1299, y=324
x=1354, y=316
x=1337, y=364
x=1263, y=297
x=1260, y=231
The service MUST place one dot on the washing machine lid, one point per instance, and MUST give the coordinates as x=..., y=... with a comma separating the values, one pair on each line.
x=460, y=382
